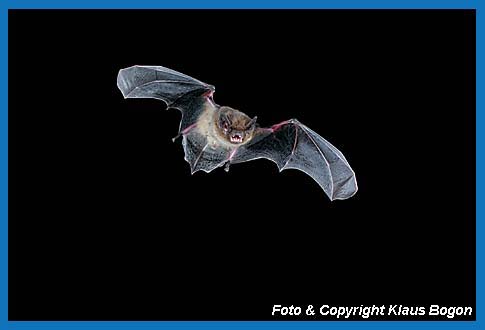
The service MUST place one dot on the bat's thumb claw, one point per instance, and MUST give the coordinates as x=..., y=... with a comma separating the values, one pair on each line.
x=226, y=168
x=176, y=137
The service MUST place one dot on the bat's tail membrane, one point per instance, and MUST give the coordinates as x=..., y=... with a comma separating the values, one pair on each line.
x=157, y=82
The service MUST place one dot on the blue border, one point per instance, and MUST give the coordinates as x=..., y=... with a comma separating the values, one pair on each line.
x=330, y=4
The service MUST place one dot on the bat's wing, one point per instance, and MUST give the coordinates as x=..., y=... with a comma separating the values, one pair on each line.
x=201, y=155
x=293, y=145
x=176, y=89
x=191, y=96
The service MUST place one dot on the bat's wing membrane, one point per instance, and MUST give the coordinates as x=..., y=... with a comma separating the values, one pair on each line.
x=176, y=89
x=200, y=155
x=157, y=82
x=293, y=145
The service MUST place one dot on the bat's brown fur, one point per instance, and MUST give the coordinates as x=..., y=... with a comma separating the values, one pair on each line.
x=239, y=122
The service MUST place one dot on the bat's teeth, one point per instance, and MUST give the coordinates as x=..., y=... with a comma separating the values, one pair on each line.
x=236, y=138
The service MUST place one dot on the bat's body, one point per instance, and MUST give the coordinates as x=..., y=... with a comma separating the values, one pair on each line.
x=214, y=136
x=208, y=127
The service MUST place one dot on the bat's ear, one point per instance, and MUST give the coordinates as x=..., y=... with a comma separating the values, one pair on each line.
x=226, y=118
x=252, y=123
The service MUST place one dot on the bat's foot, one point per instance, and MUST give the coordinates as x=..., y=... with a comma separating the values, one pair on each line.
x=226, y=168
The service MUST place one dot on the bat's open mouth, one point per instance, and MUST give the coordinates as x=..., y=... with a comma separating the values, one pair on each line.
x=236, y=138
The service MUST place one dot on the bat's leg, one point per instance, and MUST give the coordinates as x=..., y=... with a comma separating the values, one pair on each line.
x=226, y=168
x=228, y=163
x=185, y=131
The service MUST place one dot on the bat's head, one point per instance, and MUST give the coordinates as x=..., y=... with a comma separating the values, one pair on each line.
x=235, y=126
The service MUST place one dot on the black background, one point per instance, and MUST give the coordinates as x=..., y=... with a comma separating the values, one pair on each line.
x=106, y=222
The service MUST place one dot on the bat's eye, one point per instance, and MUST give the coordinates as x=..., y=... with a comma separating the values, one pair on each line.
x=225, y=126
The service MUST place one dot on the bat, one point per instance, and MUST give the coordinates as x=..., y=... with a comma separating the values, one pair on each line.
x=214, y=136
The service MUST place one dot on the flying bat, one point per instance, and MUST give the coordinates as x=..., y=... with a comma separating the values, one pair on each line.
x=214, y=136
